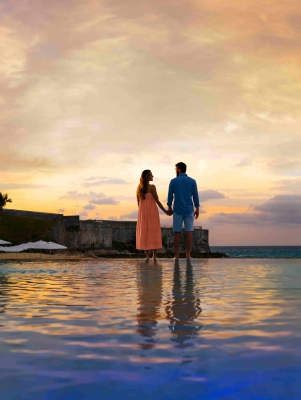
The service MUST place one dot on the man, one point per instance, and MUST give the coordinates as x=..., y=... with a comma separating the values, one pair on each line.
x=182, y=189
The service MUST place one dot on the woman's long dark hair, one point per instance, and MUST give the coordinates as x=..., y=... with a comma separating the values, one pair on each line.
x=142, y=187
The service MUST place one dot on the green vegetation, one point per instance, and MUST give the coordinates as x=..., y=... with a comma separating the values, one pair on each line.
x=23, y=229
x=4, y=200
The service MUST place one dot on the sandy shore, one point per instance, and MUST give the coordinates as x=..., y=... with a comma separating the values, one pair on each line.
x=37, y=256
x=84, y=257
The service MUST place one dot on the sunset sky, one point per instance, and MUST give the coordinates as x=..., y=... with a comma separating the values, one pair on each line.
x=93, y=92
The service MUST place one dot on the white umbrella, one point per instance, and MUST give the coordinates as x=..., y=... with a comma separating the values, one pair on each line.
x=38, y=245
x=3, y=242
x=14, y=249
x=45, y=246
x=56, y=246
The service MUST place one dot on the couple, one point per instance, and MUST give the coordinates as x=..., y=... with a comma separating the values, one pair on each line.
x=181, y=191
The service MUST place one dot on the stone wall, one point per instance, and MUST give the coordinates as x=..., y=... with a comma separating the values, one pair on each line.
x=71, y=222
x=119, y=236
x=33, y=214
x=200, y=240
x=106, y=235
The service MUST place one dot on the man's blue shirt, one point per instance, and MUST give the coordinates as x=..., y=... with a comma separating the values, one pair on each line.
x=182, y=189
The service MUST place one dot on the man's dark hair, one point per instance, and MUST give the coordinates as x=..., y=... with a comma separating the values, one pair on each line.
x=182, y=166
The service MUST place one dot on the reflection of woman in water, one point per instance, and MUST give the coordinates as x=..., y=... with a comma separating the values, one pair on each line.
x=185, y=307
x=149, y=283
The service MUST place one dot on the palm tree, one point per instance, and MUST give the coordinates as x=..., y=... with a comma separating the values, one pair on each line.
x=3, y=200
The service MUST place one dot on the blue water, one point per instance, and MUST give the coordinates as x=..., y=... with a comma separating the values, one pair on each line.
x=122, y=329
x=259, y=251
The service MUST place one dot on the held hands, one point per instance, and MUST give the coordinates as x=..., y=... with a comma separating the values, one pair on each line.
x=169, y=212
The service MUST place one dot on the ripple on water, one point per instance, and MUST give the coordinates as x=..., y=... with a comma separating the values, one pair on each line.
x=216, y=328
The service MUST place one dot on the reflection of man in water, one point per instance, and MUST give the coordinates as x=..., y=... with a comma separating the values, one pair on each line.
x=184, y=308
x=149, y=282
x=3, y=292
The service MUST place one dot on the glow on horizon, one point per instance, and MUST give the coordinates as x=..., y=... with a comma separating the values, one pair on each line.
x=94, y=92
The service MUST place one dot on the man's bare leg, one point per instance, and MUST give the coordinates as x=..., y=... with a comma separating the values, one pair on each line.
x=188, y=244
x=147, y=255
x=177, y=238
x=154, y=254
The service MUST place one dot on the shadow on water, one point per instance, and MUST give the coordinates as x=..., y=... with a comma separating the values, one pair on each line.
x=184, y=308
x=149, y=287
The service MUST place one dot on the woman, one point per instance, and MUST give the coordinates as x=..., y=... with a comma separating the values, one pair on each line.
x=148, y=232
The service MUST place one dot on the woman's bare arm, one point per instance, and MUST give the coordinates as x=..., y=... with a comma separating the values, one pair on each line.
x=155, y=195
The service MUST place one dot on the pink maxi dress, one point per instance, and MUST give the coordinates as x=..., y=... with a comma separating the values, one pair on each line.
x=148, y=231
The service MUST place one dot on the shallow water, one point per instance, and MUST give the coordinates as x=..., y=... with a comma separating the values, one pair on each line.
x=218, y=329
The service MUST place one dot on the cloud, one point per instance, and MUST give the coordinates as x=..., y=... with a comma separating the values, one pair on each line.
x=127, y=160
x=290, y=185
x=104, y=200
x=130, y=215
x=17, y=186
x=101, y=181
x=17, y=162
x=61, y=210
x=93, y=197
x=83, y=215
x=74, y=194
x=285, y=165
x=245, y=162
x=283, y=206
x=112, y=218
x=281, y=210
x=89, y=207
x=210, y=194
x=166, y=160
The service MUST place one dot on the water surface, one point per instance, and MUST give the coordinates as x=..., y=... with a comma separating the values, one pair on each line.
x=259, y=251
x=111, y=329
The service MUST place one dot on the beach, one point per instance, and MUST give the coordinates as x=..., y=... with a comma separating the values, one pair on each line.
x=43, y=256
